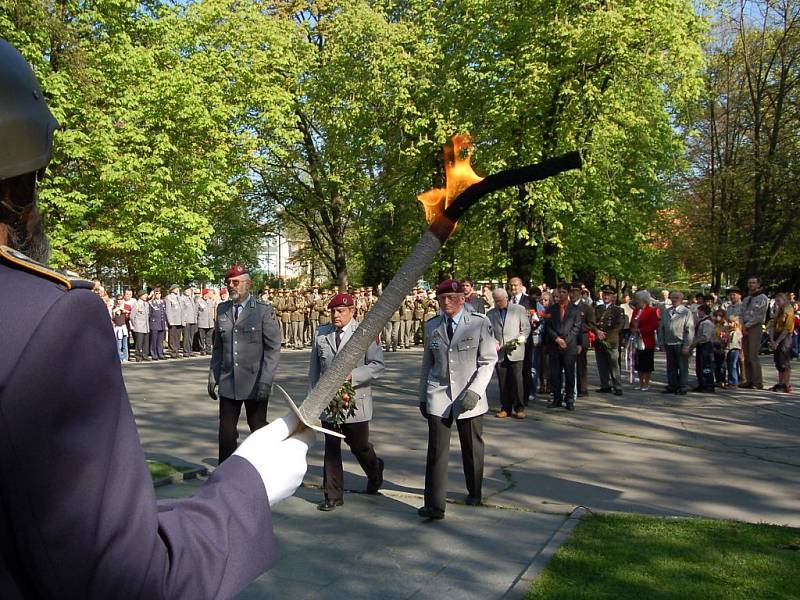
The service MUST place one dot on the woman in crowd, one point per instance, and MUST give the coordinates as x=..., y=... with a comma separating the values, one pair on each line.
x=780, y=341
x=119, y=317
x=544, y=359
x=644, y=324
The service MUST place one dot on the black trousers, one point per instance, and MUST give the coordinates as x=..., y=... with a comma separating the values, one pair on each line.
x=157, y=344
x=510, y=377
x=562, y=372
x=582, y=368
x=142, y=341
x=175, y=339
x=229, y=411
x=704, y=366
x=357, y=437
x=527, y=375
x=470, y=434
x=188, y=338
x=206, y=335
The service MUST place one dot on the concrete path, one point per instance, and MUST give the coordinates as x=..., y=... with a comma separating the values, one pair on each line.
x=726, y=455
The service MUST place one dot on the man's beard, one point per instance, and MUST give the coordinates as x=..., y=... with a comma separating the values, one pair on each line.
x=33, y=244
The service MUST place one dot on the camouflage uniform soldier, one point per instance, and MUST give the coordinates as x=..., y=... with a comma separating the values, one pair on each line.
x=297, y=321
x=286, y=318
x=407, y=320
x=420, y=302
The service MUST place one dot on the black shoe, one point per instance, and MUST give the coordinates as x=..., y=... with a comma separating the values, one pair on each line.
x=681, y=392
x=570, y=406
x=554, y=404
x=618, y=392
x=429, y=512
x=473, y=501
x=328, y=505
x=605, y=390
x=668, y=391
x=373, y=487
x=583, y=394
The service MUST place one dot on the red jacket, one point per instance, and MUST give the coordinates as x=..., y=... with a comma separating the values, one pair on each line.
x=648, y=320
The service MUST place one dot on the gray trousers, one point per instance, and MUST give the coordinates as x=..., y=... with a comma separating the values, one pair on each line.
x=470, y=434
x=677, y=369
x=297, y=334
x=608, y=367
x=752, y=366
x=188, y=338
x=175, y=339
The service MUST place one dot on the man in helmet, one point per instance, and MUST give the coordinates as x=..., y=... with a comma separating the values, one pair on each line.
x=78, y=515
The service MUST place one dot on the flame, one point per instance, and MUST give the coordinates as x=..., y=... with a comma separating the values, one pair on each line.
x=458, y=176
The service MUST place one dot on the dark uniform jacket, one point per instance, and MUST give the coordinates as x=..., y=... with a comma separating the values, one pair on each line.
x=78, y=514
x=246, y=350
x=610, y=320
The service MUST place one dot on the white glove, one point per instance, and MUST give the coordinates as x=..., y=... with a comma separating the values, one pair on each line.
x=279, y=459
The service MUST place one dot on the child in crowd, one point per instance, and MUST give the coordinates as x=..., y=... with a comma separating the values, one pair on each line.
x=704, y=350
x=733, y=348
x=780, y=341
x=719, y=343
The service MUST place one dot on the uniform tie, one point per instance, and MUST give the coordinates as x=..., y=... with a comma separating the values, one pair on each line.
x=338, y=338
x=236, y=309
x=449, y=328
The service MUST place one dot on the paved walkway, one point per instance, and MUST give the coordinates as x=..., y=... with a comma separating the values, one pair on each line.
x=733, y=454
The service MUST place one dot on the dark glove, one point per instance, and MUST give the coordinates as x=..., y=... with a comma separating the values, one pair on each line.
x=469, y=400
x=263, y=392
x=423, y=409
x=212, y=386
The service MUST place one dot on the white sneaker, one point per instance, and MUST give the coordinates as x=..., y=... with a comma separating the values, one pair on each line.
x=644, y=389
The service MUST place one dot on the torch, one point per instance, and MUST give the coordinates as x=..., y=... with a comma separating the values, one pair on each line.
x=443, y=209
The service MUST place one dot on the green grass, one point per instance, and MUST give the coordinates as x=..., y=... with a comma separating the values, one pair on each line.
x=159, y=469
x=620, y=557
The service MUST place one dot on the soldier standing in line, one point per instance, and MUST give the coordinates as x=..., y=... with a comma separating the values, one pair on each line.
x=419, y=312
x=324, y=314
x=297, y=320
x=286, y=318
x=205, y=322
x=610, y=318
x=140, y=325
x=174, y=320
x=189, y=318
x=278, y=305
x=408, y=321
x=157, y=323
x=313, y=310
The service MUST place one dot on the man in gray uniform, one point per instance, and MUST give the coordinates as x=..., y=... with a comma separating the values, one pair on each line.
x=140, y=325
x=205, y=322
x=189, y=318
x=172, y=306
x=78, y=515
x=457, y=365
x=247, y=344
x=754, y=314
x=329, y=339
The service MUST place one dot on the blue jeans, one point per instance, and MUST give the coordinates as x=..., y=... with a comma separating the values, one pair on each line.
x=733, y=366
x=122, y=348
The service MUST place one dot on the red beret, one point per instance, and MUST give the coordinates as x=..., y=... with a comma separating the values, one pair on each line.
x=341, y=300
x=205, y=291
x=450, y=286
x=235, y=271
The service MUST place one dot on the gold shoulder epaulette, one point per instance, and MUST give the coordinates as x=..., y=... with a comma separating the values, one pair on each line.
x=17, y=259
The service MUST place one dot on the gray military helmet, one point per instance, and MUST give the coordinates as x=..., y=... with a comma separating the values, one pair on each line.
x=26, y=124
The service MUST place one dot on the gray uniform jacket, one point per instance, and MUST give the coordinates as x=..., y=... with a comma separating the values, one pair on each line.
x=449, y=368
x=205, y=313
x=515, y=324
x=172, y=304
x=188, y=310
x=140, y=317
x=678, y=328
x=246, y=351
x=754, y=310
x=322, y=354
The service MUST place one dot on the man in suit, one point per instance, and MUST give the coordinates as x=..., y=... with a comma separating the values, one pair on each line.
x=174, y=320
x=140, y=325
x=247, y=344
x=563, y=330
x=457, y=364
x=517, y=295
x=610, y=318
x=511, y=330
x=78, y=519
x=329, y=339
x=157, y=322
x=588, y=323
